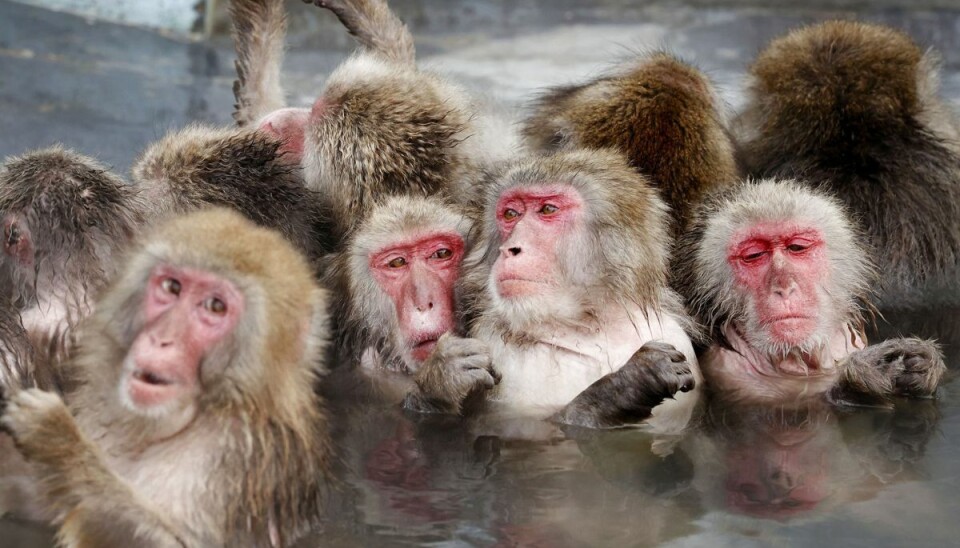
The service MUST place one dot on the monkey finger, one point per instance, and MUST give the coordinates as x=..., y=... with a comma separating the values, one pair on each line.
x=483, y=378
x=476, y=361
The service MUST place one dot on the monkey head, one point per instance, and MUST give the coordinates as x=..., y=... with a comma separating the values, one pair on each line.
x=568, y=234
x=404, y=264
x=210, y=312
x=377, y=128
x=63, y=216
x=780, y=265
x=841, y=81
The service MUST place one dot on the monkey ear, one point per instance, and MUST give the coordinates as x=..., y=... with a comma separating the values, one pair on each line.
x=288, y=125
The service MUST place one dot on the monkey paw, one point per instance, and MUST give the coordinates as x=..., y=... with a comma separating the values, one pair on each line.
x=654, y=373
x=915, y=366
x=661, y=369
x=457, y=368
x=34, y=418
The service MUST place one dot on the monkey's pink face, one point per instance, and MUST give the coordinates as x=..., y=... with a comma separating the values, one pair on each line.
x=287, y=125
x=17, y=241
x=781, y=268
x=418, y=274
x=777, y=480
x=532, y=223
x=186, y=313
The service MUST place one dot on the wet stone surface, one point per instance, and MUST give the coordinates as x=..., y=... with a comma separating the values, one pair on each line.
x=864, y=478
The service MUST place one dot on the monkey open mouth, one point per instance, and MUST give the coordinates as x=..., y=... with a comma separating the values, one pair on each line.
x=148, y=377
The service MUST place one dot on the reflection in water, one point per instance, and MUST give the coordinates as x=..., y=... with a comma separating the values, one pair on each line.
x=740, y=474
x=740, y=471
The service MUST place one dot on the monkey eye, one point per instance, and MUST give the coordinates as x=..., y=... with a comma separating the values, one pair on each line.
x=510, y=214
x=751, y=257
x=548, y=209
x=797, y=248
x=397, y=263
x=442, y=254
x=171, y=285
x=215, y=306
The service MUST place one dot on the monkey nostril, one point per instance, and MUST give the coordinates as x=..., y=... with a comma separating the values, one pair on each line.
x=514, y=251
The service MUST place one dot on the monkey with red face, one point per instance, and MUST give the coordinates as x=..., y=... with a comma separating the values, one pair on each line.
x=569, y=290
x=779, y=276
x=855, y=108
x=195, y=421
x=400, y=271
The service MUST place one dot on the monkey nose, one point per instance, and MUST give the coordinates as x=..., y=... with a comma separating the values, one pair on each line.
x=512, y=251
x=425, y=307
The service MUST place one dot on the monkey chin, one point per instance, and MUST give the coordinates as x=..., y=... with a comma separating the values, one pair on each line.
x=792, y=330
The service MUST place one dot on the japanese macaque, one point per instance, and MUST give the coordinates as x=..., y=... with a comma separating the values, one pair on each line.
x=662, y=113
x=65, y=219
x=380, y=126
x=240, y=168
x=401, y=270
x=778, y=275
x=196, y=421
x=854, y=107
x=572, y=298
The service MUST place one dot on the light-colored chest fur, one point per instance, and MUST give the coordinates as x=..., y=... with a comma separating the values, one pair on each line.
x=174, y=479
x=556, y=363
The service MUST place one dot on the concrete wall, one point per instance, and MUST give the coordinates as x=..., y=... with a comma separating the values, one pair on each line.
x=176, y=15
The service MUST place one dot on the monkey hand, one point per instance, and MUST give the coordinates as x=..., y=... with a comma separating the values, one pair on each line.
x=627, y=396
x=902, y=367
x=456, y=369
x=39, y=422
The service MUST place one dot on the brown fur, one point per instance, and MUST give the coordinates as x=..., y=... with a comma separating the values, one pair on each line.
x=259, y=28
x=250, y=466
x=390, y=131
x=380, y=126
x=854, y=107
x=16, y=353
x=376, y=27
x=78, y=217
x=660, y=112
x=199, y=167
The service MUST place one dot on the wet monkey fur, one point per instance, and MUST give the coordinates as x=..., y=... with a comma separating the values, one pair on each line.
x=660, y=112
x=65, y=220
x=240, y=168
x=569, y=288
x=780, y=278
x=380, y=126
x=855, y=107
x=196, y=421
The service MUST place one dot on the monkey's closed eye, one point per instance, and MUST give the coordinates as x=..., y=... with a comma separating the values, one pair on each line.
x=510, y=214
x=397, y=263
x=797, y=248
x=171, y=285
x=751, y=257
x=216, y=306
x=548, y=209
x=442, y=253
